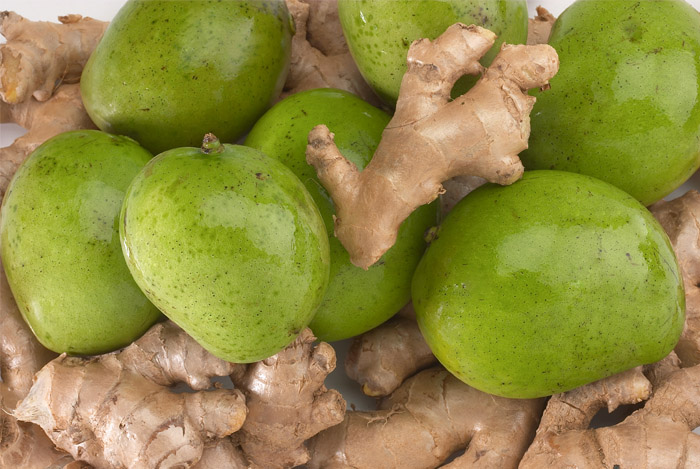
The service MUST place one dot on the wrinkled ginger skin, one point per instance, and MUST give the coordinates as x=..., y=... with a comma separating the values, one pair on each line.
x=288, y=403
x=25, y=445
x=381, y=359
x=657, y=435
x=680, y=218
x=104, y=412
x=432, y=139
x=64, y=111
x=429, y=418
x=166, y=355
x=40, y=55
x=320, y=55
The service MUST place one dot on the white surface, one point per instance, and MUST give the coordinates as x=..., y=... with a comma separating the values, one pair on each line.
x=106, y=9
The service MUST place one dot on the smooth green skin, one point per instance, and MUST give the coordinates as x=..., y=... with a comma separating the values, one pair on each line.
x=551, y=283
x=356, y=300
x=167, y=72
x=625, y=104
x=229, y=245
x=379, y=33
x=60, y=243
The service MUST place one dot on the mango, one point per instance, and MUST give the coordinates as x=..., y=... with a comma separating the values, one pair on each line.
x=59, y=236
x=548, y=284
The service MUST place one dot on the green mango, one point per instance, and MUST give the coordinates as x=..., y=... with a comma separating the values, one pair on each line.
x=168, y=71
x=228, y=243
x=548, y=284
x=60, y=243
x=625, y=104
x=356, y=300
x=379, y=33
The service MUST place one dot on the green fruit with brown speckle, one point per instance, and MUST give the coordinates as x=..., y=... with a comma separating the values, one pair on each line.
x=168, y=71
x=357, y=300
x=379, y=33
x=625, y=104
x=60, y=243
x=228, y=243
x=548, y=284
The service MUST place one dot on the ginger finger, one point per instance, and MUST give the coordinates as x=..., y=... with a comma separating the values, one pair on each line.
x=680, y=219
x=40, y=55
x=166, y=355
x=540, y=27
x=288, y=403
x=104, y=412
x=63, y=112
x=381, y=359
x=431, y=138
x=657, y=435
x=320, y=55
x=430, y=417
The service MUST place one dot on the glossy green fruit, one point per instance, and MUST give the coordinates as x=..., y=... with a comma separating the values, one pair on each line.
x=168, y=71
x=551, y=283
x=229, y=245
x=60, y=243
x=356, y=300
x=379, y=33
x=625, y=105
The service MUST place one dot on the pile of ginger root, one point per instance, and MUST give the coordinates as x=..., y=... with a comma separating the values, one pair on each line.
x=128, y=408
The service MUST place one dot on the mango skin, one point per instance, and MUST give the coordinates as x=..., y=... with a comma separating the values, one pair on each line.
x=551, y=283
x=167, y=72
x=379, y=33
x=228, y=245
x=60, y=243
x=356, y=300
x=625, y=104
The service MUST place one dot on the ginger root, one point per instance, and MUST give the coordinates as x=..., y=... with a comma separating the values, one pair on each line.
x=105, y=412
x=657, y=435
x=430, y=417
x=288, y=403
x=431, y=138
x=540, y=27
x=381, y=359
x=320, y=55
x=680, y=219
x=40, y=55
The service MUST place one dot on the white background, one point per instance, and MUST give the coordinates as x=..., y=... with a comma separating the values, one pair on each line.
x=106, y=9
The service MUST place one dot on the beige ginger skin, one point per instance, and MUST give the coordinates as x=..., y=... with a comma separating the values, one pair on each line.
x=431, y=138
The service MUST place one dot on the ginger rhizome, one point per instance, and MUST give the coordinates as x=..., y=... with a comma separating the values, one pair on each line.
x=381, y=359
x=40, y=55
x=320, y=55
x=431, y=138
x=21, y=444
x=40, y=66
x=657, y=435
x=540, y=27
x=288, y=403
x=680, y=219
x=429, y=418
x=115, y=411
